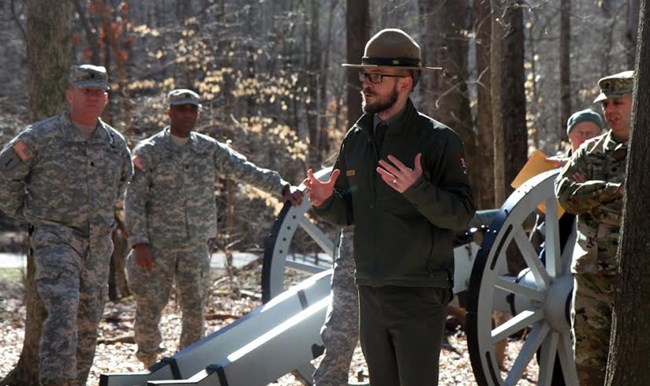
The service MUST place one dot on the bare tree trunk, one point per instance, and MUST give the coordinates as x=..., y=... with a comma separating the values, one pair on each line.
x=497, y=27
x=565, y=66
x=627, y=363
x=445, y=44
x=357, y=22
x=112, y=34
x=313, y=77
x=606, y=7
x=513, y=108
x=118, y=286
x=323, y=135
x=49, y=51
x=183, y=10
x=91, y=32
x=227, y=183
x=632, y=27
x=50, y=57
x=484, y=187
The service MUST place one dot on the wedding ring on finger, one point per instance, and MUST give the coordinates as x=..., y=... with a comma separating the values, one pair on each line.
x=394, y=180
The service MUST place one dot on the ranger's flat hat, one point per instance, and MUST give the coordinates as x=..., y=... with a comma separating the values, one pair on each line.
x=393, y=48
x=614, y=86
x=87, y=75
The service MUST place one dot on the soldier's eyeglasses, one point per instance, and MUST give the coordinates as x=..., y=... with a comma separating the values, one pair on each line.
x=374, y=77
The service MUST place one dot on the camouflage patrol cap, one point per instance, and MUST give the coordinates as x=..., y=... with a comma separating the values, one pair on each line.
x=87, y=75
x=183, y=96
x=614, y=86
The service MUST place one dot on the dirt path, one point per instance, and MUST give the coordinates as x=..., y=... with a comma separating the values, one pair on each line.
x=115, y=352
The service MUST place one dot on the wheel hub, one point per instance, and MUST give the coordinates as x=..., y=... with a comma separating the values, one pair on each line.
x=556, y=304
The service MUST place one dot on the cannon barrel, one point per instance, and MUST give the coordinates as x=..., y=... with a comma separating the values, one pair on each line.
x=482, y=218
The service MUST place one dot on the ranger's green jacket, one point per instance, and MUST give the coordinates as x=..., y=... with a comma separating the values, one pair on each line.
x=402, y=239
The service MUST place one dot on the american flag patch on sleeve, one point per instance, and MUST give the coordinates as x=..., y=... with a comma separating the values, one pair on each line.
x=23, y=151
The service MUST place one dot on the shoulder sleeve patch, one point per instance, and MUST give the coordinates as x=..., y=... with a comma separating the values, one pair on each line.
x=22, y=151
x=138, y=163
x=462, y=163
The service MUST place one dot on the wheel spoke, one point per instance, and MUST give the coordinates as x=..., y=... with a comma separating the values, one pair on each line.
x=547, y=359
x=507, y=284
x=517, y=323
x=542, y=278
x=552, y=238
x=317, y=235
x=528, y=350
x=565, y=352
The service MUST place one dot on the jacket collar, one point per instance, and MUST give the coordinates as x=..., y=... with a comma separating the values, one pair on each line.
x=613, y=144
x=396, y=124
x=102, y=132
x=193, y=141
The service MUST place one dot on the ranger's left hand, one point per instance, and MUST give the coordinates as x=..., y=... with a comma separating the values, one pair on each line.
x=399, y=176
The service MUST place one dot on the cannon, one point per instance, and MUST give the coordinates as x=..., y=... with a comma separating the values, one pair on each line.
x=536, y=298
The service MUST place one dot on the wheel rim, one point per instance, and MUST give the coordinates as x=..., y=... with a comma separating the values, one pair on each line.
x=278, y=251
x=537, y=298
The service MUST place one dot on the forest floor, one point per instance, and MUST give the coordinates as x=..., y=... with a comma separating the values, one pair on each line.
x=116, y=347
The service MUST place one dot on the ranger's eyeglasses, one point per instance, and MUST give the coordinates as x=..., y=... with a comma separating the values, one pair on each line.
x=374, y=77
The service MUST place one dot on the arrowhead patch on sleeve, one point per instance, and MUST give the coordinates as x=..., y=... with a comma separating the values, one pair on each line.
x=138, y=163
x=463, y=164
x=23, y=151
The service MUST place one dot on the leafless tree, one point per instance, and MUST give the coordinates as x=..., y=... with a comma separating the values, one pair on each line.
x=513, y=108
x=50, y=57
x=627, y=362
x=357, y=22
x=484, y=188
x=565, y=65
x=445, y=44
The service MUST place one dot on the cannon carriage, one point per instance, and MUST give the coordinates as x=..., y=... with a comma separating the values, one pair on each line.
x=282, y=336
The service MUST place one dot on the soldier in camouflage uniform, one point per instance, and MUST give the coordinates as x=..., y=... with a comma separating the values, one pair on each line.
x=171, y=214
x=63, y=176
x=340, y=333
x=592, y=185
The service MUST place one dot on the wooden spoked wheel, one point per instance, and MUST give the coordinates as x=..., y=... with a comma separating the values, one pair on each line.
x=537, y=298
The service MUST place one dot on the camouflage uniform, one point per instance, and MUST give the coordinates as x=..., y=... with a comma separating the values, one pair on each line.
x=340, y=333
x=598, y=204
x=66, y=187
x=171, y=205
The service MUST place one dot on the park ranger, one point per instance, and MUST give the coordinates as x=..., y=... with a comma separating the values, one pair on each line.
x=400, y=178
x=63, y=176
x=592, y=185
x=171, y=214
